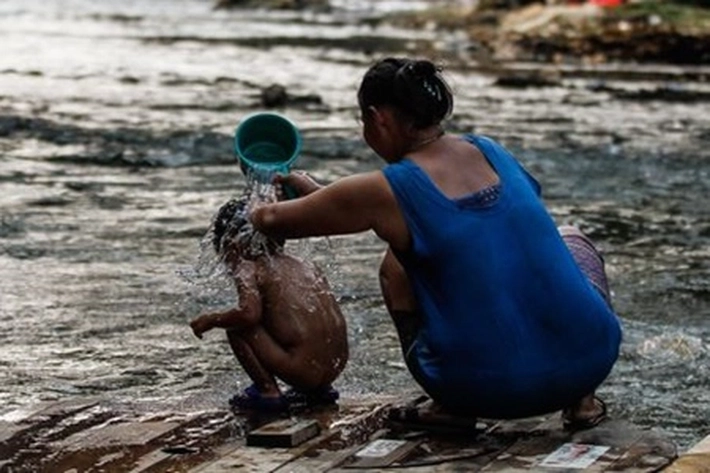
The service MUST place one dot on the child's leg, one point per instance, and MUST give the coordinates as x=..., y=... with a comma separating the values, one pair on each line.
x=262, y=378
x=264, y=359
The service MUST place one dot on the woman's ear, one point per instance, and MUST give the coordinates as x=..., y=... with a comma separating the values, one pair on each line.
x=383, y=116
x=375, y=114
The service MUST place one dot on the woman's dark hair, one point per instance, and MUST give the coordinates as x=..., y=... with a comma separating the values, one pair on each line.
x=413, y=87
x=230, y=218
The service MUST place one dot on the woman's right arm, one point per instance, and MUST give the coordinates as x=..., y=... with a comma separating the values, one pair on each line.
x=349, y=205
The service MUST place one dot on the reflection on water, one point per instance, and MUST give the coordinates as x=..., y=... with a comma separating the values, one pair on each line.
x=104, y=232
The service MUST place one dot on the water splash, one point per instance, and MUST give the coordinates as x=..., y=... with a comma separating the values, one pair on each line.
x=209, y=281
x=209, y=284
x=672, y=347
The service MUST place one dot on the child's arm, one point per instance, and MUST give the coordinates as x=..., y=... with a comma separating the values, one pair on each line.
x=247, y=314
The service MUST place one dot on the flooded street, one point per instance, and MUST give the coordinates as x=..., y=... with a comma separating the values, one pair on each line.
x=115, y=152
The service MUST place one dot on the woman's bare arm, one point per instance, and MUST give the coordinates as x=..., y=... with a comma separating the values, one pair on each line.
x=299, y=181
x=350, y=205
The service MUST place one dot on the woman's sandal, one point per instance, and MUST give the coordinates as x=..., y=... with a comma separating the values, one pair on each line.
x=571, y=423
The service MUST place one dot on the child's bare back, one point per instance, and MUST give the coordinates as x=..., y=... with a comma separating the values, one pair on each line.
x=300, y=313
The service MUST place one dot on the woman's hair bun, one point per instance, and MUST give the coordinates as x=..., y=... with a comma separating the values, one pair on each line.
x=423, y=69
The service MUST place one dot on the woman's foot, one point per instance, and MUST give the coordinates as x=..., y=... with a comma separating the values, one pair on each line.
x=588, y=413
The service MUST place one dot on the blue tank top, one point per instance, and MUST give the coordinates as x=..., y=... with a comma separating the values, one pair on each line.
x=508, y=316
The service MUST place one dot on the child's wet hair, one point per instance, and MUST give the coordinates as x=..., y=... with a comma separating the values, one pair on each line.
x=231, y=217
x=413, y=87
x=232, y=224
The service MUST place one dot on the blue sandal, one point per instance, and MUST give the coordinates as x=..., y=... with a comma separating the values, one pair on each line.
x=319, y=397
x=252, y=400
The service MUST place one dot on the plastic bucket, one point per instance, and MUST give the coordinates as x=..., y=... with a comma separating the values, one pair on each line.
x=266, y=143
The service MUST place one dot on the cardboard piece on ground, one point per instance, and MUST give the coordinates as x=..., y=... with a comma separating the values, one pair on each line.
x=695, y=460
x=690, y=463
x=611, y=446
x=702, y=447
x=381, y=453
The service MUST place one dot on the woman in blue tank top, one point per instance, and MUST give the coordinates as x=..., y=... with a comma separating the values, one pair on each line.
x=499, y=313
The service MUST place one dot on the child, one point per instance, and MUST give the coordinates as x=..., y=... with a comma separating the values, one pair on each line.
x=287, y=325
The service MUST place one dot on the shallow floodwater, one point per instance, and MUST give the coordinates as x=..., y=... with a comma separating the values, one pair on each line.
x=115, y=152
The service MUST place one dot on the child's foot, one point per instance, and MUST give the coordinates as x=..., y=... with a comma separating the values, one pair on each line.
x=252, y=399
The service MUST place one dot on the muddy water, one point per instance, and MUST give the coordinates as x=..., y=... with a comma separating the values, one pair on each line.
x=115, y=126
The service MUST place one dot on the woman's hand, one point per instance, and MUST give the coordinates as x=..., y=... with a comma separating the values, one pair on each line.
x=298, y=181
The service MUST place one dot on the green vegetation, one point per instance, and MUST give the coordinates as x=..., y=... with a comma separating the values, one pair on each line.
x=686, y=16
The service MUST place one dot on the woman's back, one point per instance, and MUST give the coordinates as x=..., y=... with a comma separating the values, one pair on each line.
x=501, y=297
x=455, y=167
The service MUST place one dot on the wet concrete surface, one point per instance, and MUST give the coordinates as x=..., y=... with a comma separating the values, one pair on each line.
x=115, y=151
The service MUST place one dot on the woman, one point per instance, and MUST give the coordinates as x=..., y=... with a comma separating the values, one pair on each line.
x=495, y=316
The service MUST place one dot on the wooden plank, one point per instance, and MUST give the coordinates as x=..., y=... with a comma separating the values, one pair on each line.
x=319, y=460
x=21, y=430
x=470, y=460
x=18, y=421
x=283, y=433
x=524, y=455
x=458, y=452
x=249, y=460
x=358, y=422
x=149, y=461
x=125, y=434
x=650, y=453
x=695, y=460
x=345, y=436
x=690, y=463
x=512, y=446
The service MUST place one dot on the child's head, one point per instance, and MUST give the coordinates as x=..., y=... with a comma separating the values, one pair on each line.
x=232, y=231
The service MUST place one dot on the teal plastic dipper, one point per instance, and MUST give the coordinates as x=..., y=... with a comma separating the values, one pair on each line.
x=266, y=143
